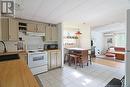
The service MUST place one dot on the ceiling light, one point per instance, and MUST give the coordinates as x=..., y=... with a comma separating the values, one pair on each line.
x=78, y=32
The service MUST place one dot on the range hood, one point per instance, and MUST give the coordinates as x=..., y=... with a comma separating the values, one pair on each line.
x=35, y=34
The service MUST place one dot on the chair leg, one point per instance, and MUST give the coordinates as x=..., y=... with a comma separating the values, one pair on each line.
x=75, y=60
x=90, y=60
x=87, y=63
x=82, y=65
x=64, y=58
x=69, y=61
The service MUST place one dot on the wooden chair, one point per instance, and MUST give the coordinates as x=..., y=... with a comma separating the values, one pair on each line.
x=79, y=58
x=66, y=56
x=73, y=58
x=84, y=58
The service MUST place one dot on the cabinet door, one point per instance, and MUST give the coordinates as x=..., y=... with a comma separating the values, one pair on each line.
x=49, y=59
x=53, y=60
x=48, y=33
x=54, y=33
x=0, y=31
x=4, y=29
x=31, y=27
x=24, y=57
x=41, y=28
x=58, y=59
x=13, y=30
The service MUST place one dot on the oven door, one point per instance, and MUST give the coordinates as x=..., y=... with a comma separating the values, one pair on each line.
x=37, y=59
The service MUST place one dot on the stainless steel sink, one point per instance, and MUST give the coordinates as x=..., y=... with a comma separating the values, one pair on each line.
x=9, y=57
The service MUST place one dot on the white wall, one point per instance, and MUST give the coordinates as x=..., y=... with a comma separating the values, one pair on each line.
x=98, y=39
x=60, y=41
x=128, y=53
x=85, y=37
x=11, y=46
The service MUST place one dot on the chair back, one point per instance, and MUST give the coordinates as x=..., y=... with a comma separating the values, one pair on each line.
x=84, y=56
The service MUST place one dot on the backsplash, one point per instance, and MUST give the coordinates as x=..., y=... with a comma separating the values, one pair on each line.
x=11, y=46
x=34, y=43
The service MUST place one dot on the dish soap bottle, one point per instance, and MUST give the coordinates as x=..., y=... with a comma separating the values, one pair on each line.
x=20, y=44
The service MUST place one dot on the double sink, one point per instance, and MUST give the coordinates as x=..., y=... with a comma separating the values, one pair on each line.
x=7, y=57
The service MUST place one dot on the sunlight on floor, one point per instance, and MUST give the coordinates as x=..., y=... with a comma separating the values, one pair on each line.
x=77, y=74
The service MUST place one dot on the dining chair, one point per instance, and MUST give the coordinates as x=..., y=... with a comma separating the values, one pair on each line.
x=84, y=58
x=79, y=58
x=73, y=58
x=66, y=56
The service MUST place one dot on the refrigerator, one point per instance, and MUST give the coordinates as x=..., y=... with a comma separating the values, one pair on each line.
x=128, y=51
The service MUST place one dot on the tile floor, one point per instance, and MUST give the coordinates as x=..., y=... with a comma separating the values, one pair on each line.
x=95, y=75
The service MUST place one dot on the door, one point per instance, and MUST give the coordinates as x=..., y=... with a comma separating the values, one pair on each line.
x=58, y=59
x=41, y=28
x=53, y=60
x=31, y=27
x=13, y=30
x=48, y=33
x=54, y=33
x=128, y=51
x=36, y=59
x=4, y=29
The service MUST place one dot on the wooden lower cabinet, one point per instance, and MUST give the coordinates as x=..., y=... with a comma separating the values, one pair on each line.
x=120, y=56
x=54, y=59
x=24, y=56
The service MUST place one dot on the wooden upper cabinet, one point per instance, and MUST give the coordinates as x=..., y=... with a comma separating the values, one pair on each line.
x=48, y=33
x=51, y=33
x=9, y=29
x=54, y=33
x=31, y=27
x=0, y=30
x=13, y=30
x=41, y=28
x=36, y=27
x=4, y=29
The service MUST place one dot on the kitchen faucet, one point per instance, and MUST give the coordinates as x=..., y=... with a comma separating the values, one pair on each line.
x=4, y=46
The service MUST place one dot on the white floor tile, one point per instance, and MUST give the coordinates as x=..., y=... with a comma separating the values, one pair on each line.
x=95, y=75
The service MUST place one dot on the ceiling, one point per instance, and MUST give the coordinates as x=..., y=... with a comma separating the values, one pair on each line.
x=93, y=12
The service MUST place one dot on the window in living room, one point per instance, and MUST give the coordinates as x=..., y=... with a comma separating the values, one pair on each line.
x=120, y=40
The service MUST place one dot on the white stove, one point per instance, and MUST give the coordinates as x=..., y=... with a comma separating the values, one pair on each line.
x=37, y=61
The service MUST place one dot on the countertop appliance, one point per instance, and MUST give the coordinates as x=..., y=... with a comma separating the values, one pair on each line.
x=50, y=46
x=37, y=61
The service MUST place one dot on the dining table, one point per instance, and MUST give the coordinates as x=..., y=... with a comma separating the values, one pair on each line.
x=75, y=51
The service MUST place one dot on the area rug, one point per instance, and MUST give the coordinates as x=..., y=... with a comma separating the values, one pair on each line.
x=110, y=63
x=109, y=58
x=105, y=57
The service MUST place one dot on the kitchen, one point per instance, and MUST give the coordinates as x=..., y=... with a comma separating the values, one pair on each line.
x=36, y=43
x=35, y=36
